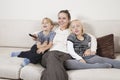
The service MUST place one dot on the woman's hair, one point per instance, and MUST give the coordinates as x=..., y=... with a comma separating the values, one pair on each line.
x=48, y=20
x=76, y=20
x=66, y=12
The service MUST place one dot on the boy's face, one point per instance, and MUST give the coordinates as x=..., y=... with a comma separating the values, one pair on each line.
x=76, y=28
x=46, y=25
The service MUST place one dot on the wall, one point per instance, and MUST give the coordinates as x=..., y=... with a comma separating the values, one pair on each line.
x=20, y=17
x=15, y=32
x=37, y=9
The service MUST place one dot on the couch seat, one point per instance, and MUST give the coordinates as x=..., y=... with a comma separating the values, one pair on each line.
x=10, y=68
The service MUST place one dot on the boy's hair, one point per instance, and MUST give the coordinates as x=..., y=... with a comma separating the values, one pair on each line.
x=48, y=20
x=76, y=20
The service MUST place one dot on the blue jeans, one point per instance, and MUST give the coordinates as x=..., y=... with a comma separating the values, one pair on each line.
x=93, y=62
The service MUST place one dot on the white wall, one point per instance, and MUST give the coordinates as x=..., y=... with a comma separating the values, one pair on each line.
x=82, y=9
x=20, y=17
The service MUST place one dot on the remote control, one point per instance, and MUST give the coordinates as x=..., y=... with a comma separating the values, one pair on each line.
x=32, y=36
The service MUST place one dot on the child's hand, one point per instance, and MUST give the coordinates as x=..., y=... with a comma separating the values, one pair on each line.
x=87, y=52
x=43, y=50
x=35, y=37
x=82, y=60
x=39, y=51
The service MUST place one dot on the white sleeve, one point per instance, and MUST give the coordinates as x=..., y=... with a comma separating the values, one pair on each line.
x=93, y=43
x=71, y=51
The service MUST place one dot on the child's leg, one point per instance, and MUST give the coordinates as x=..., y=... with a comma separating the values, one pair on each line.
x=15, y=54
x=26, y=61
x=98, y=59
x=36, y=58
x=75, y=64
x=33, y=48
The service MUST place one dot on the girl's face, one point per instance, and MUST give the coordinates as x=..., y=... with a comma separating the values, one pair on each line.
x=46, y=25
x=76, y=28
x=63, y=20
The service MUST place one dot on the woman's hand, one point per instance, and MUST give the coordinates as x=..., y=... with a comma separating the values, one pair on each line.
x=82, y=60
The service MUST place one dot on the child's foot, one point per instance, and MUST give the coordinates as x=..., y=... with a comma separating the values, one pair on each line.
x=25, y=62
x=15, y=54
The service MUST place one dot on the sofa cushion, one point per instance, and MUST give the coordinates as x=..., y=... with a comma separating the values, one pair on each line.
x=106, y=46
x=10, y=67
x=33, y=72
x=94, y=74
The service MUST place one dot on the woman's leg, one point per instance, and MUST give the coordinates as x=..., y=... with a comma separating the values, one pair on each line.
x=98, y=59
x=54, y=63
x=75, y=64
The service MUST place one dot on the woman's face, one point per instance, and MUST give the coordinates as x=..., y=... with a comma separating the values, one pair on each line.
x=76, y=28
x=63, y=20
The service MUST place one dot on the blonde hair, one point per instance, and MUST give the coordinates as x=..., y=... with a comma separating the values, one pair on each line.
x=48, y=20
x=76, y=20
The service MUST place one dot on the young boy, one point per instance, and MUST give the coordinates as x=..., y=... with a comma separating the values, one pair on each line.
x=44, y=42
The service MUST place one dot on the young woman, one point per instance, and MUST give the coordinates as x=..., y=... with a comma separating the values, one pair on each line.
x=53, y=60
x=81, y=48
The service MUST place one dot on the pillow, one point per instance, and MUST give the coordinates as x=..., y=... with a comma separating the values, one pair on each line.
x=105, y=46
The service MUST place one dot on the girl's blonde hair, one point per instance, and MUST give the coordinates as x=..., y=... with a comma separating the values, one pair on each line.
x=76, y=20
x=48, y=20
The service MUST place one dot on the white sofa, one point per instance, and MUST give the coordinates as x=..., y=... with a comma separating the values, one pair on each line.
x=18, y=39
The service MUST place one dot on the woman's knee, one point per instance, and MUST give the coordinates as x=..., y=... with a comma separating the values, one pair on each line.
x=53, y=54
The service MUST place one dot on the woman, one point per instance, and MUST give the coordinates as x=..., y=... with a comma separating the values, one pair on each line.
x=83, y=52
x=53, y=60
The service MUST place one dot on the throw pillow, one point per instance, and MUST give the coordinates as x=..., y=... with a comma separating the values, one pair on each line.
x=105, y=46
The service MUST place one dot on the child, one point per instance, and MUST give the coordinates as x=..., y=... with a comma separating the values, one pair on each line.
x=44, y=42
x=80, y=47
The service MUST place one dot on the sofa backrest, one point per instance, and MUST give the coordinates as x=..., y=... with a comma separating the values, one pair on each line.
x=15, y=32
